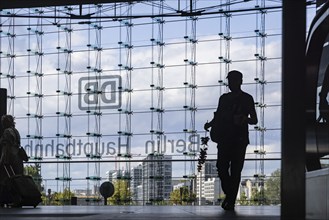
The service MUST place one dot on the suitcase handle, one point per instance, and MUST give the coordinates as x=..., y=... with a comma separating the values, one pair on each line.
x=11, y=168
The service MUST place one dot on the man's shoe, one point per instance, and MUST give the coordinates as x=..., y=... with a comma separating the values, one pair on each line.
x=227, y=206
x=224, y=203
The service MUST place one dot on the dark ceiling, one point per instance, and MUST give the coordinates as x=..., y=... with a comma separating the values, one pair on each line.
x=10, y=4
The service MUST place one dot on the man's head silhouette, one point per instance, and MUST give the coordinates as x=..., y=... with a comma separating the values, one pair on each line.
x=234, y=80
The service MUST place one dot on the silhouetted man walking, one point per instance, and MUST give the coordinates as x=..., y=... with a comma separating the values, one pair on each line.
x=236, y=109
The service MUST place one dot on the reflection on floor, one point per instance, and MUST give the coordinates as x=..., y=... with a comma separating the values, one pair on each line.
x=141, y=212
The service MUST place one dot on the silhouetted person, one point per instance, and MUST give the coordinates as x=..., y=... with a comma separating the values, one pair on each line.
x=10, y=143
x=236, y=109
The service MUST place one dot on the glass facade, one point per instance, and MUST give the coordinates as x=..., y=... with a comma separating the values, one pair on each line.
x=127, y=88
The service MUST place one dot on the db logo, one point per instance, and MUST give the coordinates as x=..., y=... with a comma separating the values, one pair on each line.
x=101, y=92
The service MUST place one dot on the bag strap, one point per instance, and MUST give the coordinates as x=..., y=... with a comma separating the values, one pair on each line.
x=11, y=168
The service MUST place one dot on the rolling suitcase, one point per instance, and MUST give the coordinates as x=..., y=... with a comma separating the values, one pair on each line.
x=23, y=189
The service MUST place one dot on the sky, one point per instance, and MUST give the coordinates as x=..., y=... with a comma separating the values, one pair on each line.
x=209, y=29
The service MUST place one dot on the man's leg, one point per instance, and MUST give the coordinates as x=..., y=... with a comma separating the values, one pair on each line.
x=223, y=165
x=236, y=169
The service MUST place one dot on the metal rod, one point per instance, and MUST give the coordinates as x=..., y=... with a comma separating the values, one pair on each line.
x=132, y=161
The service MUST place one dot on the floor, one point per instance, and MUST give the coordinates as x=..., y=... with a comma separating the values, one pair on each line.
x=140, y=213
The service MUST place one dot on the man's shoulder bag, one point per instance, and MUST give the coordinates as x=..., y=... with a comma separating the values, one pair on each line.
x=215, y=131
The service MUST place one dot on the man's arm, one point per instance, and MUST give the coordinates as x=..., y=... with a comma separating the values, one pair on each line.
x=252, y=119
x=207, y=125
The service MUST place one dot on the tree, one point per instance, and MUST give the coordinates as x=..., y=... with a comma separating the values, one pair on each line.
x=122, y=194
x=61, y=198
x=257, y=197
x=272, y=188
x=243, y=198
x=182, y=196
